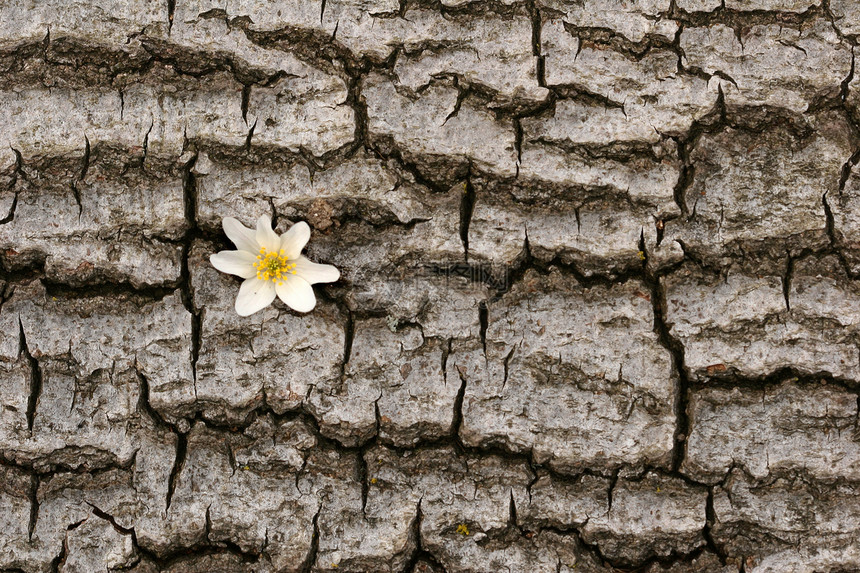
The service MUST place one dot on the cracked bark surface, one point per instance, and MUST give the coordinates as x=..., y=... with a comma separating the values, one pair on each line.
x=598, y=312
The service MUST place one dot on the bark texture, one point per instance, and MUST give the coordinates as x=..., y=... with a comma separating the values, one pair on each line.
x=599, y=309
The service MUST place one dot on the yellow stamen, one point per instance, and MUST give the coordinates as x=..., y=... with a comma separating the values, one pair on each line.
x=273, y=266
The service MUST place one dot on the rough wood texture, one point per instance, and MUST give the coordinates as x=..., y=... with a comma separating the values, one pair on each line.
x=599, y=306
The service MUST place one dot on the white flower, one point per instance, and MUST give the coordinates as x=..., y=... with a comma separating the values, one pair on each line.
x=271, y=265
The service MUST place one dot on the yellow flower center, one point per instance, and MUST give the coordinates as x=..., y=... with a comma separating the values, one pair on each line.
x=273, y=266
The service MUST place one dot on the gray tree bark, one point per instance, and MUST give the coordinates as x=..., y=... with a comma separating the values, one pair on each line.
x=599, y=306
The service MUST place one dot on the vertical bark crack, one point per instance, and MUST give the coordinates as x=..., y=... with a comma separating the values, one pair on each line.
x=467, y=207
x=311, y=558
x=178, y=464
x=36, y=377
x=457, y=418
x=710, y=520
x=171, y=9
x=786, y=281
x=348, y=336
x=483, y=320
x=34, y=505
x=189, y=185
x=540, y=62
x=676, y=350
x=846, y=83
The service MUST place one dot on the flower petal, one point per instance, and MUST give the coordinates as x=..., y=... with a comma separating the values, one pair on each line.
x=239, y=263
x=243, y=237
x=297, y=293
x=266, y=236
x=294, y=240
x=254, y=295
x=315, y=273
